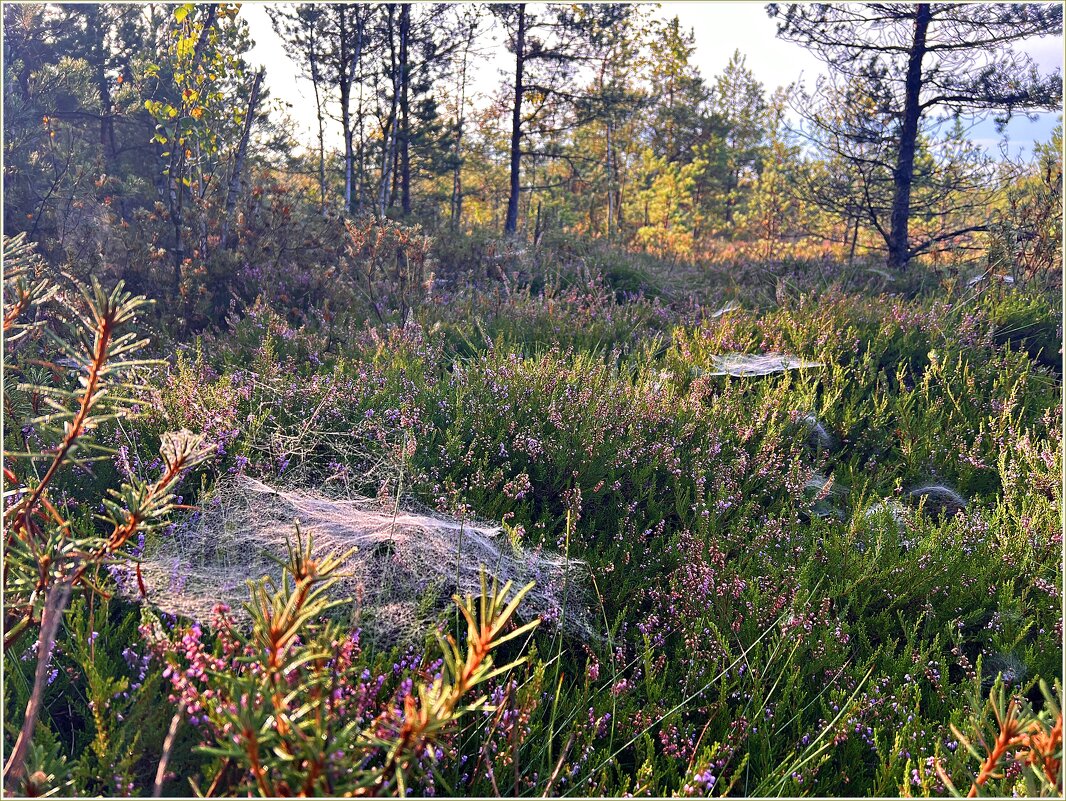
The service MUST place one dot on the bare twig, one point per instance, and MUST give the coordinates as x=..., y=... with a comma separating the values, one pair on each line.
x=55, y=603
x=558, y=766
x=168, y=745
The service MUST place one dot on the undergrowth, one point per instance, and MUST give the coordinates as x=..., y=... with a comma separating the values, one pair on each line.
x=806, y=583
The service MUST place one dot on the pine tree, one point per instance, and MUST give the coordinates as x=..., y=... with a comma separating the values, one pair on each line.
x=921, y=60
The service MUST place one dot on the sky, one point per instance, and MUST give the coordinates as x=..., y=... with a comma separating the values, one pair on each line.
x=719, y=29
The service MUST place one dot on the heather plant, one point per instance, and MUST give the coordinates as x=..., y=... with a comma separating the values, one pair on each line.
x=61, y=570
x=794, y=579
x=389, y=264
x=1026, y=320
x=52, y=553
x=585, y=317
x=294, y=687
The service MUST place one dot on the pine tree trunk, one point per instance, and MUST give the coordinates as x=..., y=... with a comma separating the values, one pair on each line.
x=346, y=71
x=405, y=123
x=178, y=222
x=346, y=96
x=511, y=224
x=854, y=241
x=360, y=190
x=107, y=122
x=457, y=174
x=315, y=79
x=610, y=185
x=238, y=162
x=903, y=174
x=388, y=145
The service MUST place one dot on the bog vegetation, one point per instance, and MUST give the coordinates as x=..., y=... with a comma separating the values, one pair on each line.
x=624, y=431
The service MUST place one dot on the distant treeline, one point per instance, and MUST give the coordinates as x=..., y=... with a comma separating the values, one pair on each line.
x=140, y=135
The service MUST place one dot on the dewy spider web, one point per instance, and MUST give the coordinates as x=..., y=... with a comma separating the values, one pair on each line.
x=401, y=576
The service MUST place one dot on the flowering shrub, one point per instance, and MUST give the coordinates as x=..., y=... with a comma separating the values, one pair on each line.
x=294, y=687
x=798, y=580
